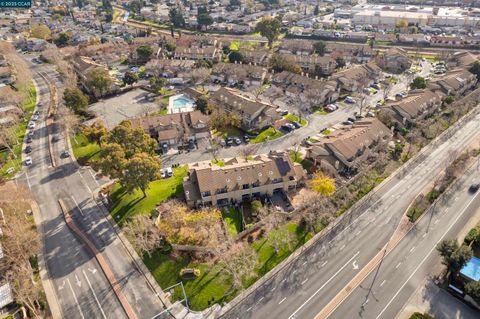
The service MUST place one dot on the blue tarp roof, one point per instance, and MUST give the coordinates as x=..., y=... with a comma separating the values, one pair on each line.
x=471, y=269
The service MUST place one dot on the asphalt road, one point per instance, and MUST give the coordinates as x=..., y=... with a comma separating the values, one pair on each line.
x=80, y=286
x=305, y=286
x=383, y=293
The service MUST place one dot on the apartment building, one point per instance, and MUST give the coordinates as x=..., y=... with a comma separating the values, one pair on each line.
x=455, y=83
x=241, y=179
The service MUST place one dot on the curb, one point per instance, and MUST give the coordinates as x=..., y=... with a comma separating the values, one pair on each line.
x=116, y=286
x=53, y=303
x=149, y=279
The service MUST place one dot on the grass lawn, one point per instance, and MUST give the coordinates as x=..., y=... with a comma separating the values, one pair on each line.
x=218, y=162
x=268, y=134
x=125, y=205
x=233, y=221
x=296, y=156
x=234, y=46
x=326, y=132
x=295, y=118
x=210, y=284
x=15, y=161
x=228, y=132
x=320, y=112
x=83, y=150
x=266, y=253
x=313, y=140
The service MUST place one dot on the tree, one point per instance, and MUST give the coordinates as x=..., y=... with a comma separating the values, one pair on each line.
x=139, y=171
x=8, y=139
x=340, y=62
x=269, y=27
x=472, y=288
x=199, y=76
x=112, y=160
x=204, y=20
x=157, y=83
x=446, y=247
x=319, y=47
x=136, y=6
x=402, y=23
x=144, y=52
x=62, y=39
x=240, y=262
x=176, y=18
x=75, y=100
x=201, y=104
x=386, y=89
x=41, y=32
x=99, y=81
x=418, y=83
x=475, y=69
x=130, y=77
x=281, y=239
x=323, y=184
x=144, y=234
x=316, y=11
x=459, y=258
x=95, y=133
x=281, y=63
x=132, y=141
x=235, y=56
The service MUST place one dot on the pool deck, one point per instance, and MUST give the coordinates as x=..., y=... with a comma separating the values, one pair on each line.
x=187, y=108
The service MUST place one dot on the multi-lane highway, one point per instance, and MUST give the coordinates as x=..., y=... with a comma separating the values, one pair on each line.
x=305, y=286
x=80, y=288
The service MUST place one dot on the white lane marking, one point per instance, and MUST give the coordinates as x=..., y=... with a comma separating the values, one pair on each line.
x=250, y=308
x=92, y=270
x=436, y=221
x=259, y=300
x=424, y=235
x=398, y=265
x=282, y=300
x=283, y=280
x=62, y=286
x=324, y=263
x=304, y=263
x=358, y=232
x=425, y=258
x=78, y=282
x=343, y=246
x=412, y=249
x=28, y=181
x=323, y=286
x=84, y=182
x=456, y=198
x=273, y=289
x=383, y=283
x=93, y=176
x=94, y=295
x=81, y=211
x=303, y=282
x=75, y=298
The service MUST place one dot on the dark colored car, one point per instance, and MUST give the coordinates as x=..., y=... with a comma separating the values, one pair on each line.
x=474, y=188
x=229, y=141
x=246, y=139
x=286, y=128
x=191, y=144
x=237, y=141
x=28, y=149
x=29, y=139
x=351, y=119
x=296, y=124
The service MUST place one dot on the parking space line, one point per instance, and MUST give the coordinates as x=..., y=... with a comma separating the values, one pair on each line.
x=94, y=295
x=75, y=298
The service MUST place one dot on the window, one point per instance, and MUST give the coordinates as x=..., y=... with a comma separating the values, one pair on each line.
x=256, y=184
x=277, y=180
x=206, y=194
x=222, y=190
x=246, y=186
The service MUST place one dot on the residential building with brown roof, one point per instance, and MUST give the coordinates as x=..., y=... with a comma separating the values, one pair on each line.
x=313, y=64
x=241, y=179
x=169, y=68
x=256, y=57
x=83, y=65
x=255, y=114
x=296, y=85
x=233, y=73
x=6, y=75
x=345, y=148
x=208, y=53
x=418, y=104
x=297, y=47
x=463, y=59
x=350, y=52
x=174, y=129
x=357, y=77
x=395, y=60
x=454, y=83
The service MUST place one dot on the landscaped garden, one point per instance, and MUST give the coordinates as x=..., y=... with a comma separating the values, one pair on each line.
x=267, y=135
x=295, y=118
x=83, y=149
x=232, y=219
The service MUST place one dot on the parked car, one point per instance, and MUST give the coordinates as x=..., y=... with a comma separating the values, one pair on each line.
x=349, y=100
x=347, y=123
x=229, y=141
x=474, y=188
x=370, y=114
x=286, y=128
x=283, y=112
x=169, y=172
x=28, y=161
x=333, y=106
x=351, y=119
x=37, y=112
x=246, y=139
x=164, y=147
x=29, y=139
x=65, y=154
x=290, y=125
x=35, y=118
x=296, y=124
x=237, y=141
x=376, y=86
x=30, y=134
x=28, y=149
x=163, y=174
x=31, y=125
x=191, y=144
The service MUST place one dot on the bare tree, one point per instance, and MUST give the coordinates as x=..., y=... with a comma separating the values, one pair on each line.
x=67, y=120
x=214, y=148
x=387, y=88
x=143, y=233
x=248, y=151
x=281, y=239
x=200, y=76
x=8, y=139
x=313, y=98
x=239, y=261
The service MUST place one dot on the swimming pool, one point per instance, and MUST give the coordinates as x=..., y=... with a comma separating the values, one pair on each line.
x=180, y=103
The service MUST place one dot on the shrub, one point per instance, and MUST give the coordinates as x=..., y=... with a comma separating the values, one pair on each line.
x=472, y=236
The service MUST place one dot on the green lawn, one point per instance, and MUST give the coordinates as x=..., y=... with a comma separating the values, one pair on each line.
x=228, y=132
x=320, y=112
x=267, y=256
x=83, y=150
x=296, y=156
x=15, y=160
x=326, y=132
x=234, y=46
x=295, y=118
x=313, y=140
x=268, y=134
x=125, y=205
x=210, y=284
x=233, y=221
